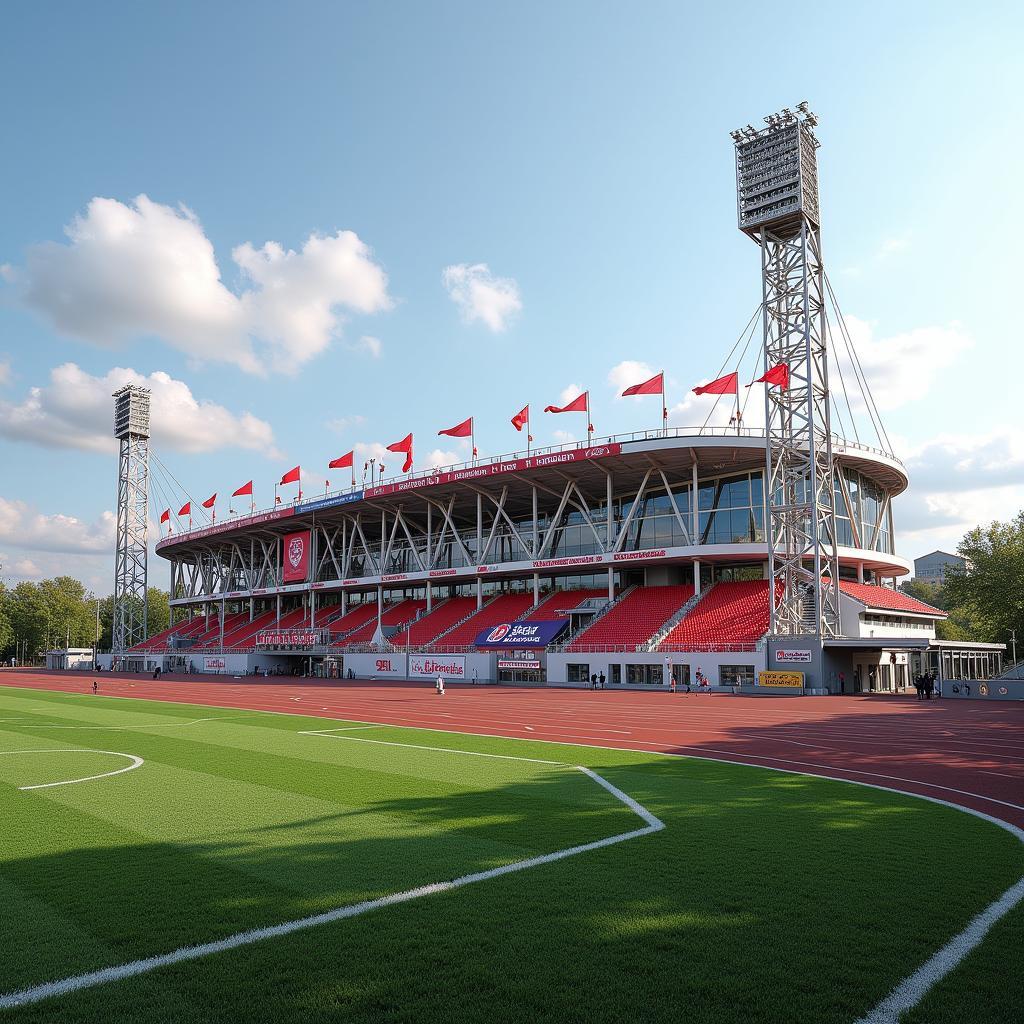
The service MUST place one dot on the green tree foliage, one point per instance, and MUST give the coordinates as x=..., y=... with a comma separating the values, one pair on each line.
x=989, y=591
x=60, y=612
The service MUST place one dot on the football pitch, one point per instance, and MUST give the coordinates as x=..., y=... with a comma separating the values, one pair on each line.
x=286, y=868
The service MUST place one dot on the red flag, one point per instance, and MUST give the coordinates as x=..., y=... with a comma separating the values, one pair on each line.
x=727, y=385
x=342, y=462
x=211, y=501
x=244, y=489
x=778, y=374
x=578, y=404
x=404, y=446
x=654, y=386
x=165, y=516
x=463, y=429
x=292, y=476
x=186, y=509
x=521, y=418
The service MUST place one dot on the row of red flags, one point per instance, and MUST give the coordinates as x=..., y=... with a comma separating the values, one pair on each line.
x=728, y=385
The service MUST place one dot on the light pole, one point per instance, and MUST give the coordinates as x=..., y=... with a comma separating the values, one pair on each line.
x=1013, y=645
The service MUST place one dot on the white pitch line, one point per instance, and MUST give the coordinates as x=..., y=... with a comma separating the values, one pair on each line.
x=64, y=986
x=136, y=762
x=417, y=746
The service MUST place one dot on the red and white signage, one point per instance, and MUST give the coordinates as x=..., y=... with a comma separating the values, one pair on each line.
x=295, y=556
x=492, y=468
x=289, y=638
x=213, y=664
x=430, y=666
x=515, y=663
x=790, y=656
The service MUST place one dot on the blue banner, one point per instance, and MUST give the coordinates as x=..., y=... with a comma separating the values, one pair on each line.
x=337, y=499
x=521, y=634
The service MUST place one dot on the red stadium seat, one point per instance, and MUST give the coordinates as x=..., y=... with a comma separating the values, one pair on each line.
x=635, y=619
x=727, y=613
x=504, y=608
x=431, y=626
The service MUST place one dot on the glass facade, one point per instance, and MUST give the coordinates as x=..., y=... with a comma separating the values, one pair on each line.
x=730, y=510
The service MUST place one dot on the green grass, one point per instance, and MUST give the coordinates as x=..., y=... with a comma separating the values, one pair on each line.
x=767, y=898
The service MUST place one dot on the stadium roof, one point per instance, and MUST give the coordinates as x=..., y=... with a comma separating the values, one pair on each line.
x=886, y=599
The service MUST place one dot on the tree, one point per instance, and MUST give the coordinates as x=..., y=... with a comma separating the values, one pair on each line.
x=989, y=590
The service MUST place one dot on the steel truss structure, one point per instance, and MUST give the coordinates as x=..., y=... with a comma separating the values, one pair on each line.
x=778, y=207
x=631, y=510
x=131, y=606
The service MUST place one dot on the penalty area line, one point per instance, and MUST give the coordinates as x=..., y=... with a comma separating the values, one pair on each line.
x=65, y=986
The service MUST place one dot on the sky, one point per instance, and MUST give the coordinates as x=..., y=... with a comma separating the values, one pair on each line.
x=316, y=227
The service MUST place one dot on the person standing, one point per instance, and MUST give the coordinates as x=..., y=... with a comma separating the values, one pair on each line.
x=600, y=679
x=439, y=686
x=95, y=687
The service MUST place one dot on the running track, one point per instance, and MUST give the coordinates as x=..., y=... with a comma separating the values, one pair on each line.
x=965, y=751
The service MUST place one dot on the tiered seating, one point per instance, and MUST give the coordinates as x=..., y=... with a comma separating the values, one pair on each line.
x=356, y=616
x=728, y=613
x=560, y=601
x=443, y=617
x=248, y=630
x=394, y=615
x=873, y=596
x=159, y=641
x=504, y=608
x=211, y=636
x=635, y=619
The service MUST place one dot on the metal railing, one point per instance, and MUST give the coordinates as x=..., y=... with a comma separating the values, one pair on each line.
x=626, y=438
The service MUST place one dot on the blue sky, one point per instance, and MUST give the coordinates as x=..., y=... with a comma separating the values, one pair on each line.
x=579, y=150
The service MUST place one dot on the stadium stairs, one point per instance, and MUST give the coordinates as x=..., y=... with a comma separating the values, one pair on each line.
x=237, y=638
x=559, y=603
x=726, y=613
x=161, y=641
x=343, y=626
x=439, y=620
x=503, y=608
x=634, y=619
x=401, y=614
x=211, y=637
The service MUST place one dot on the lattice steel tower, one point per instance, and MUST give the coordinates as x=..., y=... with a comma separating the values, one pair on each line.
x=131, y=427
x=777, y=206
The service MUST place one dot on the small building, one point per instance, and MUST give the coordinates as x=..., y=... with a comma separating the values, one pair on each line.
x=932, y=568
x=72, y=658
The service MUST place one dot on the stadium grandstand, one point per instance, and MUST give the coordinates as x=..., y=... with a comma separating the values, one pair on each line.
x=640, y=558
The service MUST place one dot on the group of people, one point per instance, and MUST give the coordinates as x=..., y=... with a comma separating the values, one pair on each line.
x=925, y=686
x=597, y=681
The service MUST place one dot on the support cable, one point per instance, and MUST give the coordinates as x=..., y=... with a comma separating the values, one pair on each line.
x=728, y=359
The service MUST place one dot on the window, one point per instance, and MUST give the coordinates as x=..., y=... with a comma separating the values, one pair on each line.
x=577, y=673
x=645, y=675
x=736, y=675
x=615, y=675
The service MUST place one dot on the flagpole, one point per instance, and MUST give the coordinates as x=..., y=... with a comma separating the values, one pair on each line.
x=472, y=438
x=664, y=406
x=529, y=435
x=590, y=426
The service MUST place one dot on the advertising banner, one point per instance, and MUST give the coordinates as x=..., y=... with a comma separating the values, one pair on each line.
x=521, y=634
x=289, y=638
x=792, y=657
x=213, y=664
x=428, y=666
x=296, y=556
x=517, y=663
x=781, y=679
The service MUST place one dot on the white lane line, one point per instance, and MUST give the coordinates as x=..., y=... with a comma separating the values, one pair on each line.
x=154, y=725
x=136, y=763
x=64, y=986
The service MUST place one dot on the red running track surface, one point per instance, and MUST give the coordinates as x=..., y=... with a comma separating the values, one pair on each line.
x=966, y=752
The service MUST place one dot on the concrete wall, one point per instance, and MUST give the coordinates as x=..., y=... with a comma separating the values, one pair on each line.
x=709, y=663
x=988, y=689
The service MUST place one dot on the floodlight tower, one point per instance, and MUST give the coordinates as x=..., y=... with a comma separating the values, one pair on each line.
x=777, y=206
x=131, y=428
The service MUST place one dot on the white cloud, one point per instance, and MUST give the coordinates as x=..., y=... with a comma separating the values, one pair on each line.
x=24, y=527
x=890, y=246
x=342, y=423
x=958, y=482
x=568, y=393
x=563, y=436
x=367, y=343
x=627, y=373
x=5, y=372
x=438, y=457
x=900, y=368
x=482, y=296
x=75, y=410
x=143, y=269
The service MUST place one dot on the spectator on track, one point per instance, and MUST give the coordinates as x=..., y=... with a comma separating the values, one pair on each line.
x=929, y=685
x=600, y=679
x=919, y=686
x=439, y=686
x=95, y=687
x=593, y=681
